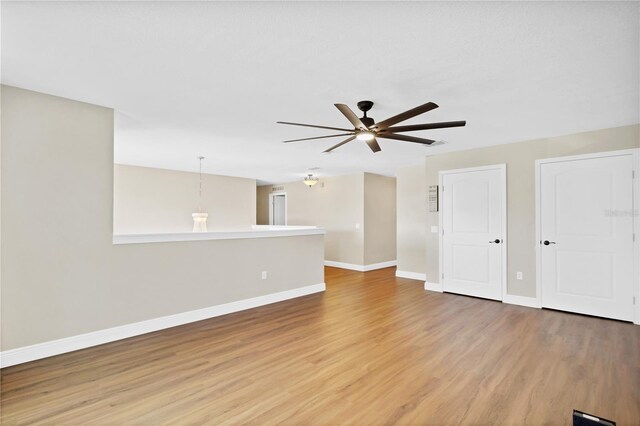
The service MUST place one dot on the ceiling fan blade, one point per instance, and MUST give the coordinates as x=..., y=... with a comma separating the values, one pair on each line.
x=346, y=111
x=313, y=125
x=340, y=144
x=318, y=137
x=373, y=144
x=427, y=126
x=406, y=115
x=405, y=138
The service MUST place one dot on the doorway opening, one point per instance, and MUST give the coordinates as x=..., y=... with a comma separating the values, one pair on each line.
x=278, y=209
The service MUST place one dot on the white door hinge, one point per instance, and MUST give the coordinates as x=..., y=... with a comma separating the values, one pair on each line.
x=634, y=300
x=443, y=275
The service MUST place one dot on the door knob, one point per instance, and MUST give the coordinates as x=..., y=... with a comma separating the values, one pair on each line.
x=496, y=241
x=547, y=242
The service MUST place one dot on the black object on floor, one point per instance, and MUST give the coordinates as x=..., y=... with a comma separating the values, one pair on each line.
x=584, y=419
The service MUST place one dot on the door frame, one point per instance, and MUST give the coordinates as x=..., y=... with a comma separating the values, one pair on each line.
x=503, y=176
x=635, y=155
x=286, y=217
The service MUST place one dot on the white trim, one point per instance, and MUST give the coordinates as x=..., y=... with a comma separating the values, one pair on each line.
x=360, y=268
x=636, y=230
x=343, y=265
x=536, y=243
x=433, y=286
x=257, y=232
x=631, y=151
x=503, y=176
x=381, y=265
x=513, y=299
x=69, y=344
x=635, y=153
x=271, y=195
x=411, y=275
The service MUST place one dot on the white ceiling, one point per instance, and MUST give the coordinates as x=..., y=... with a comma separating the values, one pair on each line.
x=189, y=79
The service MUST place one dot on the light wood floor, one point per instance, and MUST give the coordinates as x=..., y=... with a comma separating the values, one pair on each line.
x=372, y=349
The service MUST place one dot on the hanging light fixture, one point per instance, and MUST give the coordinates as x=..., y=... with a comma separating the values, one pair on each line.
x=200, y=218
x=310, y=180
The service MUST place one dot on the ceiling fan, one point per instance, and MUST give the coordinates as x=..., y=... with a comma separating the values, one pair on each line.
x=367, y=130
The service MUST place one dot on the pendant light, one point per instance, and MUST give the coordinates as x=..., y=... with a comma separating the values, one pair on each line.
x=310, y=180
x=200, y=218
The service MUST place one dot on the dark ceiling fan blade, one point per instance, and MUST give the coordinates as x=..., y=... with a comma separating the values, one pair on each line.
x=414, y=127
x=373, y=144
x=313, y=125
x=340, y=144
x=351, y=116
x=318, y=137
x=405, y=138
x=406, y=115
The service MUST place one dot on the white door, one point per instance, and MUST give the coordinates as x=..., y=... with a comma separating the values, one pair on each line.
x=586, y=236
x=279, y=210
x=473, y=228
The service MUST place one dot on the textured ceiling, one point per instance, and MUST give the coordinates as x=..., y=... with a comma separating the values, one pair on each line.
x=189, y=79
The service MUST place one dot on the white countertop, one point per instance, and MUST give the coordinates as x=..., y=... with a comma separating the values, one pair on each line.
x=256, y=231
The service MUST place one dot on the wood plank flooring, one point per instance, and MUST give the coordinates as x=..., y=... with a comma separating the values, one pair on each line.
x=373, y=349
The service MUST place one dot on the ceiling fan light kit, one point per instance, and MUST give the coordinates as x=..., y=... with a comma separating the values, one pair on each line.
x=365, y=128
x=365, y=136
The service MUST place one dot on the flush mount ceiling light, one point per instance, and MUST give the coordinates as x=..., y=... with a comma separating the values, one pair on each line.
x=310, y=180
x=367, y=130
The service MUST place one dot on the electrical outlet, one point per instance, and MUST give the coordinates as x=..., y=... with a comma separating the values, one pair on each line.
x=434, y=229
x=264, y=275
x=357, y=226
x=518, y=275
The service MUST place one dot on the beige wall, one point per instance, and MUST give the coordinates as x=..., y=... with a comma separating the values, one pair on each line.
x=520, y=159
x=148, y=200
x=61, y=274
x=379, y=218
x=262, y=204
x=338, y=204
x=412, y=213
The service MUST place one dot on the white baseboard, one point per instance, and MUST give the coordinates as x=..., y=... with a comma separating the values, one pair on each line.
x=82, y=341
x=433, y=286
x=530, y=302
x=411, y=275
x=360, y=268
x=343, y=265
x=380, y=265
x=511, y=299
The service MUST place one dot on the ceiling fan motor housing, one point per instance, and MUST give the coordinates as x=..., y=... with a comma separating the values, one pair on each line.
x=367, y=121
x=365, y=106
